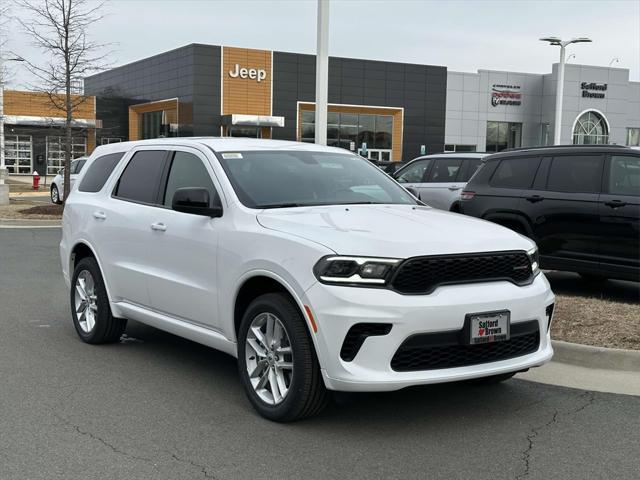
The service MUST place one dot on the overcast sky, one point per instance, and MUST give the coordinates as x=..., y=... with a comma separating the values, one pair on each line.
x=464, y=35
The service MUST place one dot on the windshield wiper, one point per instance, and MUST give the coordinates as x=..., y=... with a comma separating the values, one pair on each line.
x=281, y=205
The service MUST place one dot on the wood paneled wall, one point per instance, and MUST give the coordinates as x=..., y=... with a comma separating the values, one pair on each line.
x=246, y=95
x=38, y=104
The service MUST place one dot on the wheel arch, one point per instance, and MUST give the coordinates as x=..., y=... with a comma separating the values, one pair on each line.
x=256, y=283
x=83, y=249
x=510, y=220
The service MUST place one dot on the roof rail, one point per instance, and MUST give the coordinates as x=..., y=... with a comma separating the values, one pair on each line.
x=544, y=147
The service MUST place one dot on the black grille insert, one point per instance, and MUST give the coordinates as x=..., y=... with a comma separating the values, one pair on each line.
x=356, y=336
x=432, y=351
x=422, y=275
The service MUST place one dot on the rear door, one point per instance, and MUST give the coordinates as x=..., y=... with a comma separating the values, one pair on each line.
x=443, y=184
x=563, y=211
x=122, y=226
x=619, y=209
x=414, y=174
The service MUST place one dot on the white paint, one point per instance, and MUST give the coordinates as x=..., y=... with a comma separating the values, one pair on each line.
x=251, y=73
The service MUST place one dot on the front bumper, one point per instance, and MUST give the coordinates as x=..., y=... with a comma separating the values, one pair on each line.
x=337, y=308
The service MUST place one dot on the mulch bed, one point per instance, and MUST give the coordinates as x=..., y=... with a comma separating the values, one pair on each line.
x=597, y=322
x=43, y=210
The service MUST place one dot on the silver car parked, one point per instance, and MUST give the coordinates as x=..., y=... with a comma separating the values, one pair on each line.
x=439, y=179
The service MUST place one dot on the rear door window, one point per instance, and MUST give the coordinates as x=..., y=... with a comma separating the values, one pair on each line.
x=99, y=172
x=444, y=170
x=140, y=180
x=515, y=172
x=624, y=175
x=414, y=173
x=575, y=174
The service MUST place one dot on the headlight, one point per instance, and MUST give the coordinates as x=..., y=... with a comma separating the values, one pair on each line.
x=367, y=271
x=534, y=258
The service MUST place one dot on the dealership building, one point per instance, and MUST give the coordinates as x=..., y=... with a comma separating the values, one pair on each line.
x=384, y=110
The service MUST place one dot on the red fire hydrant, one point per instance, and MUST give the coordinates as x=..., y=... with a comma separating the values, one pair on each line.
x=36, y=180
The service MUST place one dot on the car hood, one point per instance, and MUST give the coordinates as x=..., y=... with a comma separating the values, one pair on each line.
x=392, y=230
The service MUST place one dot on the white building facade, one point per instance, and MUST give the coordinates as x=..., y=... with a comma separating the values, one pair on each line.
x=493, y=110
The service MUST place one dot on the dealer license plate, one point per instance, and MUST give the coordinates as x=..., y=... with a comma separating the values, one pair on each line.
x=489, y=327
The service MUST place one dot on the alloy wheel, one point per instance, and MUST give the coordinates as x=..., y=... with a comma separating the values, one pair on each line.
x=269, y=358
x=86, y=301
x=55, y=197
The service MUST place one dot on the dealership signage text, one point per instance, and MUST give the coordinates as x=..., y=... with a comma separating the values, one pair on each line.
x=587, y=88
x=506, y=95
x=252, y=73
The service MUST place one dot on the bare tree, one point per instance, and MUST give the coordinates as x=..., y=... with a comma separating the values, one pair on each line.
x=59, y=28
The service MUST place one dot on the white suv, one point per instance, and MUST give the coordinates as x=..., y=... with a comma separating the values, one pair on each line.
x=310, y=265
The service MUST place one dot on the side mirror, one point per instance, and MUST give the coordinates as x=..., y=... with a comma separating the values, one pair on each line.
x=195, y=201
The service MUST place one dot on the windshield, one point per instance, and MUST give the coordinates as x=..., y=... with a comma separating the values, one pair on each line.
x=278, y=179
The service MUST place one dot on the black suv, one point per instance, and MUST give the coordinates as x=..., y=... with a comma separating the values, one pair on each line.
x=580, y=204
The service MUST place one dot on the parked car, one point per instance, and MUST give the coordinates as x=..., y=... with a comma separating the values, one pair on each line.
x=580, y=204
x=439, y=179
x=57, y=184
x=388, y=167
x=310, y=265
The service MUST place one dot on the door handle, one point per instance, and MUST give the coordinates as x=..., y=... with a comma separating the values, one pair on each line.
x=160, y=227
x=99, y=215
x=453, y=188
x=615, y=203
x=534, y=198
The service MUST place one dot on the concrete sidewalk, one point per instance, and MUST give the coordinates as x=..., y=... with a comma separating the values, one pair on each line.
x=595, y=379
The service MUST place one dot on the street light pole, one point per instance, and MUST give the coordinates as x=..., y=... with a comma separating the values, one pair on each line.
x=4, y=190
x=322, y=72
x=557, y=126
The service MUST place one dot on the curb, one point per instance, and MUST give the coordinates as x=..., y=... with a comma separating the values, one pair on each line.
x=29, y=223
x=596, y=357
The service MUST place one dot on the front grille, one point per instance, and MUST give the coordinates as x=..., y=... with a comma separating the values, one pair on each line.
x=422, y=275
x=432, y=351
x=356, y=336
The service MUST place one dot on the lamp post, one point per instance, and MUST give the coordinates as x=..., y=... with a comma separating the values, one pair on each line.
x=557, y=127
x=4, y=191
x=322, y=72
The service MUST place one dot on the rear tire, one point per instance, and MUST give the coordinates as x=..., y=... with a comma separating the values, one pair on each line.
x=90, y=308
x=493, y=379
x=305, y=395
x=55, y=195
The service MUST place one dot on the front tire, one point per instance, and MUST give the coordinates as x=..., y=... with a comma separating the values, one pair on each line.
x=55, y=195
x=277, y=361
x=90, y=308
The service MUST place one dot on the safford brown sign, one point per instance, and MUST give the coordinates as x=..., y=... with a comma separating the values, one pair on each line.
x=593, y=90
x=506, y=95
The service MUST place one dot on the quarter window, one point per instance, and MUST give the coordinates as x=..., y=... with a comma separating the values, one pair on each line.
x=445, y=170
x=515, y=173
x=187, y=171
x=575, y=173
x=414, y=173
x=99, y=171
x=633, y=137
x=624, y=175
x=141, y=178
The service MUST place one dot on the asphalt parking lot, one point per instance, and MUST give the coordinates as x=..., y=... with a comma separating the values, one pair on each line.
x=158, y=407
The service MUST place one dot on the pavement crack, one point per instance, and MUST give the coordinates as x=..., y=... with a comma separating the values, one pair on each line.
x=533, y=433
x=113, y=448
x=202, y=468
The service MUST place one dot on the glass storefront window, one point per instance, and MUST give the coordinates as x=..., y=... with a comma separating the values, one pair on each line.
x=633, y=137
x=459, y=148
x=503, y=135
x=56, y=149
x=343, y=128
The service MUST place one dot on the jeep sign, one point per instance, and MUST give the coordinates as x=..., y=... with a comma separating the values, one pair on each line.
x=252, y=73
